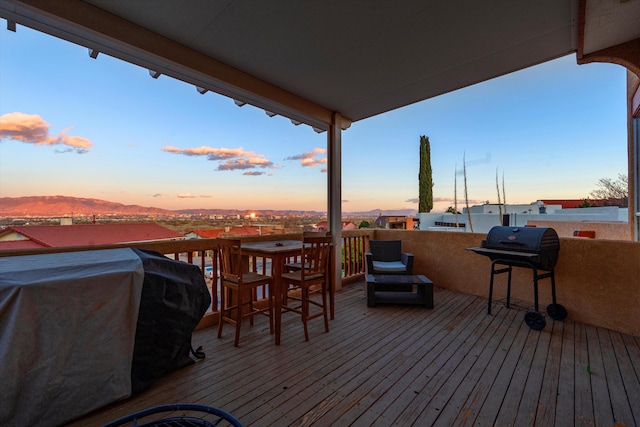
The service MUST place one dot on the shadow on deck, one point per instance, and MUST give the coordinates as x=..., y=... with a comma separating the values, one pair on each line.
x=393, y=365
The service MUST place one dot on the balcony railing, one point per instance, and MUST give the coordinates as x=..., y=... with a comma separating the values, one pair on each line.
x=596, y=280
x=202, y=252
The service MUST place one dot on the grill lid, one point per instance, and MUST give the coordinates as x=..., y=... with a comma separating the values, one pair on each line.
x=522, y=239
x=537, y=246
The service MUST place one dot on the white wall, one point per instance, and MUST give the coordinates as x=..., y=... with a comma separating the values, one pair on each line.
x=483, y=222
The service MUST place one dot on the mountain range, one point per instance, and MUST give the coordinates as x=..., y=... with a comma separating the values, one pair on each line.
x=53, y=206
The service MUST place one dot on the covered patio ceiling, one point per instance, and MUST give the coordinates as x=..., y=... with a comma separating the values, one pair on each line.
x=333, y=62
x=307, y=60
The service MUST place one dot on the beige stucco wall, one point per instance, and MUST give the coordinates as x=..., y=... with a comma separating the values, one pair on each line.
x=598, y=281
x=604, y=230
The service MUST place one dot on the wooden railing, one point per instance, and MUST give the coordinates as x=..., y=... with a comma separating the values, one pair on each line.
x=595, y=289
x=202, y=252
x=355, y=243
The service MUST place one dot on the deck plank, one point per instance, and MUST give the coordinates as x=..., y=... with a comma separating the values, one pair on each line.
x=376, y=386
x=461, y=380
x=603, y=414
x=625, y=347
x=619, y=403
x=548, y=399
x=399, y=365
x=411, y=400
x=531, y=394
x=517, y=382
x=565, y=409
x=583, y=397
x=388, y=358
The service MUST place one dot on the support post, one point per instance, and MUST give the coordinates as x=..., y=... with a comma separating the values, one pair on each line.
x=334, y=194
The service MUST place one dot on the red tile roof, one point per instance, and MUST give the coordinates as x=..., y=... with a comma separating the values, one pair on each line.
x=19, y=244
x=93, y=234
x=208, y=234
x=243, y=231
x=574, y=203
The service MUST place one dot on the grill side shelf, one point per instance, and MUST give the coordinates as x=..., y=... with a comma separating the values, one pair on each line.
x=486, y=251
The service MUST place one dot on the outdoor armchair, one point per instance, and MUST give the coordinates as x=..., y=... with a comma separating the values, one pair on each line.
x=386, y=257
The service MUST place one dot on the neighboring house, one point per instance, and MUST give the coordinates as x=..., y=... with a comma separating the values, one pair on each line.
x=242, y=231
x=50, y=236
x=396, y=222
x=346, y=225
x=211, y=233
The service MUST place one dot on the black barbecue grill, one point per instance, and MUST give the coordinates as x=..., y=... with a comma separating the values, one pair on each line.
x=536, y=248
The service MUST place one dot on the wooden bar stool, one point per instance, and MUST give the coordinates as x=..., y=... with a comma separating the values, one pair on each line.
x=238, y=288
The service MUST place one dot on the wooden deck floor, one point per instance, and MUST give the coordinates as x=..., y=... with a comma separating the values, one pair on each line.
x=450, y=366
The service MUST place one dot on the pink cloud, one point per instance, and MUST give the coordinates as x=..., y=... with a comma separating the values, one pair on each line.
x=32, y=129
x=311, y=158
x=230, y=158
x=446, y=199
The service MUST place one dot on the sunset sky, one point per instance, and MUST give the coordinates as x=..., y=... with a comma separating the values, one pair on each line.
x=103, y=128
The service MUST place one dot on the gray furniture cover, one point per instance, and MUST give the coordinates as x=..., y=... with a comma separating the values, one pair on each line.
x=80, y=330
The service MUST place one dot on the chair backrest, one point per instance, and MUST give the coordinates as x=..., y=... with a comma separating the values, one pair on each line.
x=230, y=255
x=316, y=252
x=386, y=250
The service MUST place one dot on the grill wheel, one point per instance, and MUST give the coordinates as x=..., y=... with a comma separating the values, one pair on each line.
x=535, y=320
x=557, y=311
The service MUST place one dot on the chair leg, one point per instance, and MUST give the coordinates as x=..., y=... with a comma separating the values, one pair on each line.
x=250, y=309
x=224, y=303
x=271, y=328
x=220, y=322
x=305, y=311
x=238, y=319
x=324, y=307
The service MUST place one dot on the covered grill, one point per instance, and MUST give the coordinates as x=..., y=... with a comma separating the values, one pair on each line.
x=529, y=247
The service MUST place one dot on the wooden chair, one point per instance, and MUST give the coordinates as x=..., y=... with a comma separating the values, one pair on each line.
x=304, y=283
x=297, y=265
x=238, y=288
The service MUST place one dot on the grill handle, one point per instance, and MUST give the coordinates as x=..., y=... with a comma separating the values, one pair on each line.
x=510, y=242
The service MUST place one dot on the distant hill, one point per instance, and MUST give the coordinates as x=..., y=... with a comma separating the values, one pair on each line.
x=67, y=206
x=55, y=206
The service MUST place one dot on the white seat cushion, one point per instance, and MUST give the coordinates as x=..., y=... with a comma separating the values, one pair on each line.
x=389, y=266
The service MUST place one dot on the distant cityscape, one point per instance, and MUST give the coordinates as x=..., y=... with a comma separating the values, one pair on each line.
x=56, y=210
x=47, y=206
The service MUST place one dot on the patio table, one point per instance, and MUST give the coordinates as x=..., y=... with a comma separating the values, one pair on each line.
x=278, y=251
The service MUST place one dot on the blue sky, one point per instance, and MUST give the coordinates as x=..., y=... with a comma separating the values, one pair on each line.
x=102, y=128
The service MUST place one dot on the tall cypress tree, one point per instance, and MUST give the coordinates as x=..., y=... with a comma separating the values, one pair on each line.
x=425, y=180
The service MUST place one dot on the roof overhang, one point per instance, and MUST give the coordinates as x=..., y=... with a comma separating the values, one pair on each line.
x=310, y=60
